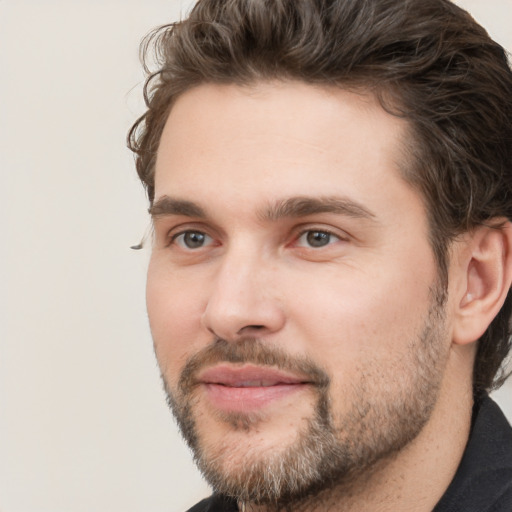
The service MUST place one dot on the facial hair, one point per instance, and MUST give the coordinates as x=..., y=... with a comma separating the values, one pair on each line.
x=387, y=412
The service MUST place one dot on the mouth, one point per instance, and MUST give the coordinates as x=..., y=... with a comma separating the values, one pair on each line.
x=248, y=388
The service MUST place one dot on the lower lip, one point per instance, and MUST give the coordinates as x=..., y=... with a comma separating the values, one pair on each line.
x=233, y=399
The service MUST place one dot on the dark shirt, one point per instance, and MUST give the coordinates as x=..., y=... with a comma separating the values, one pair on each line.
x=215, y=503
x=483, y=482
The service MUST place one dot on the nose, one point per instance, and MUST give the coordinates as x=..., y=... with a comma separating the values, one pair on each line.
x=242, y=300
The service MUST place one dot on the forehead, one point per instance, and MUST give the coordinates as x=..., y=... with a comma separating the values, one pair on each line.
x=226, y=142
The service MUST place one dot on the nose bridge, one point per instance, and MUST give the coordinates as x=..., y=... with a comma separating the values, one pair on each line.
x=242, y=298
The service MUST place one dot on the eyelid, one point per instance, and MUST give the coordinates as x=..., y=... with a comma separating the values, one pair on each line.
x=176, y=236
x=169, y=235
x=303, y=229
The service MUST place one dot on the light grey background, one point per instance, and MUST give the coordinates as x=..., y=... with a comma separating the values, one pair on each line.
x=83, y=422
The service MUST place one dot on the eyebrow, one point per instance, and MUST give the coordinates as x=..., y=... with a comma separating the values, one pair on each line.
x=303, y=206
x=171, y=206
x=299, y=206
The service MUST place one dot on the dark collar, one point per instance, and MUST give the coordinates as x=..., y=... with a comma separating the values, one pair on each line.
x=483, y=481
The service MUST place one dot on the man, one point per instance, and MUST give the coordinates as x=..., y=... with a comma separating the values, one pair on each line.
x=330, y=183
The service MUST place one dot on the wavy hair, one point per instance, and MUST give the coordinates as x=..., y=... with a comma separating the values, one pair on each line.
x=427, y=61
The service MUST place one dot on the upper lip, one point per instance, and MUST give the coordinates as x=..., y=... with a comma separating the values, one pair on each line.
x=248, y=375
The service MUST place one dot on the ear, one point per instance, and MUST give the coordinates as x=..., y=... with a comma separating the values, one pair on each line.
x=486, y=276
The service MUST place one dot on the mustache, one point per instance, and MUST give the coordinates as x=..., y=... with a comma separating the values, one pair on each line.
x=253, y=351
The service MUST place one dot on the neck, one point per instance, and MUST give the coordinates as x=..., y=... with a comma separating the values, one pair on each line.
x=414, y=479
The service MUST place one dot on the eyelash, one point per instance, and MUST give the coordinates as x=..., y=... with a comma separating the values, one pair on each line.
x=176, y=236
x=306, y=232
x=173, y=239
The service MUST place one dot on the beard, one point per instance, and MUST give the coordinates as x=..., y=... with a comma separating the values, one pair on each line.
x=388, y=408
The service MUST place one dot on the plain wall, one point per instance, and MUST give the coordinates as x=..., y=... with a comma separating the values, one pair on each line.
x=83, y=421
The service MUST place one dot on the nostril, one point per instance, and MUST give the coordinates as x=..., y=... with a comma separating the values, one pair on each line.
x=251, y=328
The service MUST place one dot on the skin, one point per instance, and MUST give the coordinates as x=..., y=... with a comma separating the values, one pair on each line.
x=352, y=306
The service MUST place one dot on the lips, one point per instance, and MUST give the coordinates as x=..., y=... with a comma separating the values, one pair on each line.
x=247, y=376
x=248, y=387
x=253, y=384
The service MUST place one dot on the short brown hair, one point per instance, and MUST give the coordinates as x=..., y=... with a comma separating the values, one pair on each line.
x=426, y=60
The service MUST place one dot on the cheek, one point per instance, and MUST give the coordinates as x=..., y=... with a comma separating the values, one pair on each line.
x=349, y=315
x=174, y=317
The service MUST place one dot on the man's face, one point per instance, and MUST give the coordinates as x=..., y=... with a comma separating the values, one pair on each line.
x=292, y=291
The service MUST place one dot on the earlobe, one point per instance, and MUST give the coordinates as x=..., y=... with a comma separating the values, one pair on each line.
x=487, y=278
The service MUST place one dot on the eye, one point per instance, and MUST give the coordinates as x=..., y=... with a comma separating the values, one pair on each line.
x=192, y=239
x=316, y=238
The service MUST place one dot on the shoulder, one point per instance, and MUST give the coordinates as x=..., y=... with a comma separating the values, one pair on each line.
x=202, y=506
x=215, y=503
x=504, y=503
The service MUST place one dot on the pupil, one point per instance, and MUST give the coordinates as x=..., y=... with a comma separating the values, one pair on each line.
x=318, y=238
x=193, y=240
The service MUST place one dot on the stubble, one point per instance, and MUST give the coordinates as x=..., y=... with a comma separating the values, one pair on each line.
x=327, y=450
